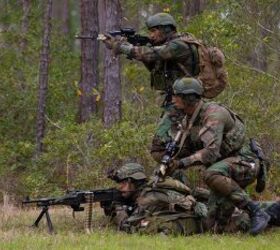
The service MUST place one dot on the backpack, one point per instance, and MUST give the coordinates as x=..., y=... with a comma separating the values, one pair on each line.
x=212, y=75
x=170, y=223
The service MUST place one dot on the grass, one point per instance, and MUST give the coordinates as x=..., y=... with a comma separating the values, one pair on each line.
x=16, y=233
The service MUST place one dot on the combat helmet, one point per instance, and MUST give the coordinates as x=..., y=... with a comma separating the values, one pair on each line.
x=130, y=170
x=160, y=19
x=187, y=85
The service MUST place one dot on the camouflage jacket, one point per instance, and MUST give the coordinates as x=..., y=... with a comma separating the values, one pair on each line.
x=168, y=208
x=168, y=62
x=217, y=133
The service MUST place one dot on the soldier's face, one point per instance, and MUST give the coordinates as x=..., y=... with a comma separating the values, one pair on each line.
x=178, y=102
x=127, y=188
x=156, y=36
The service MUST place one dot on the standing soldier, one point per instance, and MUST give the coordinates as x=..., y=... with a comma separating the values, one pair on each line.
x=168, y=58
x=214, y=136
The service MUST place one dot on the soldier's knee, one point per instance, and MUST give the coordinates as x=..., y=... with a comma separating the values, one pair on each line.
x=219, y=183
x=208, y=176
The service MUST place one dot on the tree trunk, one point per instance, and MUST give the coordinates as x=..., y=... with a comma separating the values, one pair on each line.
x=89, y=59
x=192, y=8
x=102, y=16
x=258, y=56
x=112, y=81
x=61, y=13
x=43, y=78
x=25, y=22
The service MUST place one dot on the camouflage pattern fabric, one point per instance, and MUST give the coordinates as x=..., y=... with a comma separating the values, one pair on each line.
x=162, y=61
x=217, y=141
x=168, y=209
x=216, y=134
x=169, y=223
x=167, y=62
x=131, y=170
x=168, y=194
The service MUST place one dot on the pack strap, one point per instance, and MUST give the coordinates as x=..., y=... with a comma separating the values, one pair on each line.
x=195, y=61
x=188, y=128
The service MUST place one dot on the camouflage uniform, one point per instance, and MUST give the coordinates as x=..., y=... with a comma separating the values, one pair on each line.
x=217, y=141
x=167, y=62
x=120, y=211
x=170, y=202
x=163, y=62
x=169, y=208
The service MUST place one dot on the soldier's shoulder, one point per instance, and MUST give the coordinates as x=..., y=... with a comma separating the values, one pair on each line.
x=215, y=110
x=178, y=41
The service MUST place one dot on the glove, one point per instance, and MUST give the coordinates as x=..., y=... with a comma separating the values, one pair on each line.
x=186, y=162
x=112, y=174
x=113, y=44
x=172, y=166
x=119, y=46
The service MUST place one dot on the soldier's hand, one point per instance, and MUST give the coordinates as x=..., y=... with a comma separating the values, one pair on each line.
x=173, y=165
x=112, y=174
x=109, y=41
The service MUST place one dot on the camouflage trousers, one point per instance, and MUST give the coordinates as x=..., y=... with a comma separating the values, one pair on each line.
x=226, y=180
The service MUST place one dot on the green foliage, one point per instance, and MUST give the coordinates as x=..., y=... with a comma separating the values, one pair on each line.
x=77, y=155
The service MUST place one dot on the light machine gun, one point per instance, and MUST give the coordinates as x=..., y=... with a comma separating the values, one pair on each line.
x=75, y=199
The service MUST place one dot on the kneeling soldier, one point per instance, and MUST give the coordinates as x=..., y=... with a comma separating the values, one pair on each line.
x=214, y=136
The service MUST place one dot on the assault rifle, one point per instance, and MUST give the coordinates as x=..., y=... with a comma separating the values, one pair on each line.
x=75, y=199
x=170, y=151
x=131, y=36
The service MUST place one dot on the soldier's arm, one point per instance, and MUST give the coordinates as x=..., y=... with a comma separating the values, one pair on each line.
x=211, y=134
x=158, y=149
x=148, y=55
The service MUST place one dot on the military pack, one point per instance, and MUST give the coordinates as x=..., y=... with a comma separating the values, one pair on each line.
x=212, y=75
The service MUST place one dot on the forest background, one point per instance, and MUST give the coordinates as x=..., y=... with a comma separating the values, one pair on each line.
x=81, y=138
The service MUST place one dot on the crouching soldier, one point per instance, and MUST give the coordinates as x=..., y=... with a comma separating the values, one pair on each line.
x=214, y=136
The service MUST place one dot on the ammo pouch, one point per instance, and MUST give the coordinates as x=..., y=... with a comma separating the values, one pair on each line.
x=264, y=164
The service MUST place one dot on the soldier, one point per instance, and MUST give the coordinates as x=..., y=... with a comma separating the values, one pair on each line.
x=214, y=136
x=144, y=206
x=167, y=58
x=131, y=180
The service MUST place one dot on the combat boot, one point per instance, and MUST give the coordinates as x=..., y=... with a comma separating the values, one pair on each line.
x=259, y=218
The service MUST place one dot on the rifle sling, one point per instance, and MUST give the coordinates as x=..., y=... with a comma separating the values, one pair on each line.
x=188, y=128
